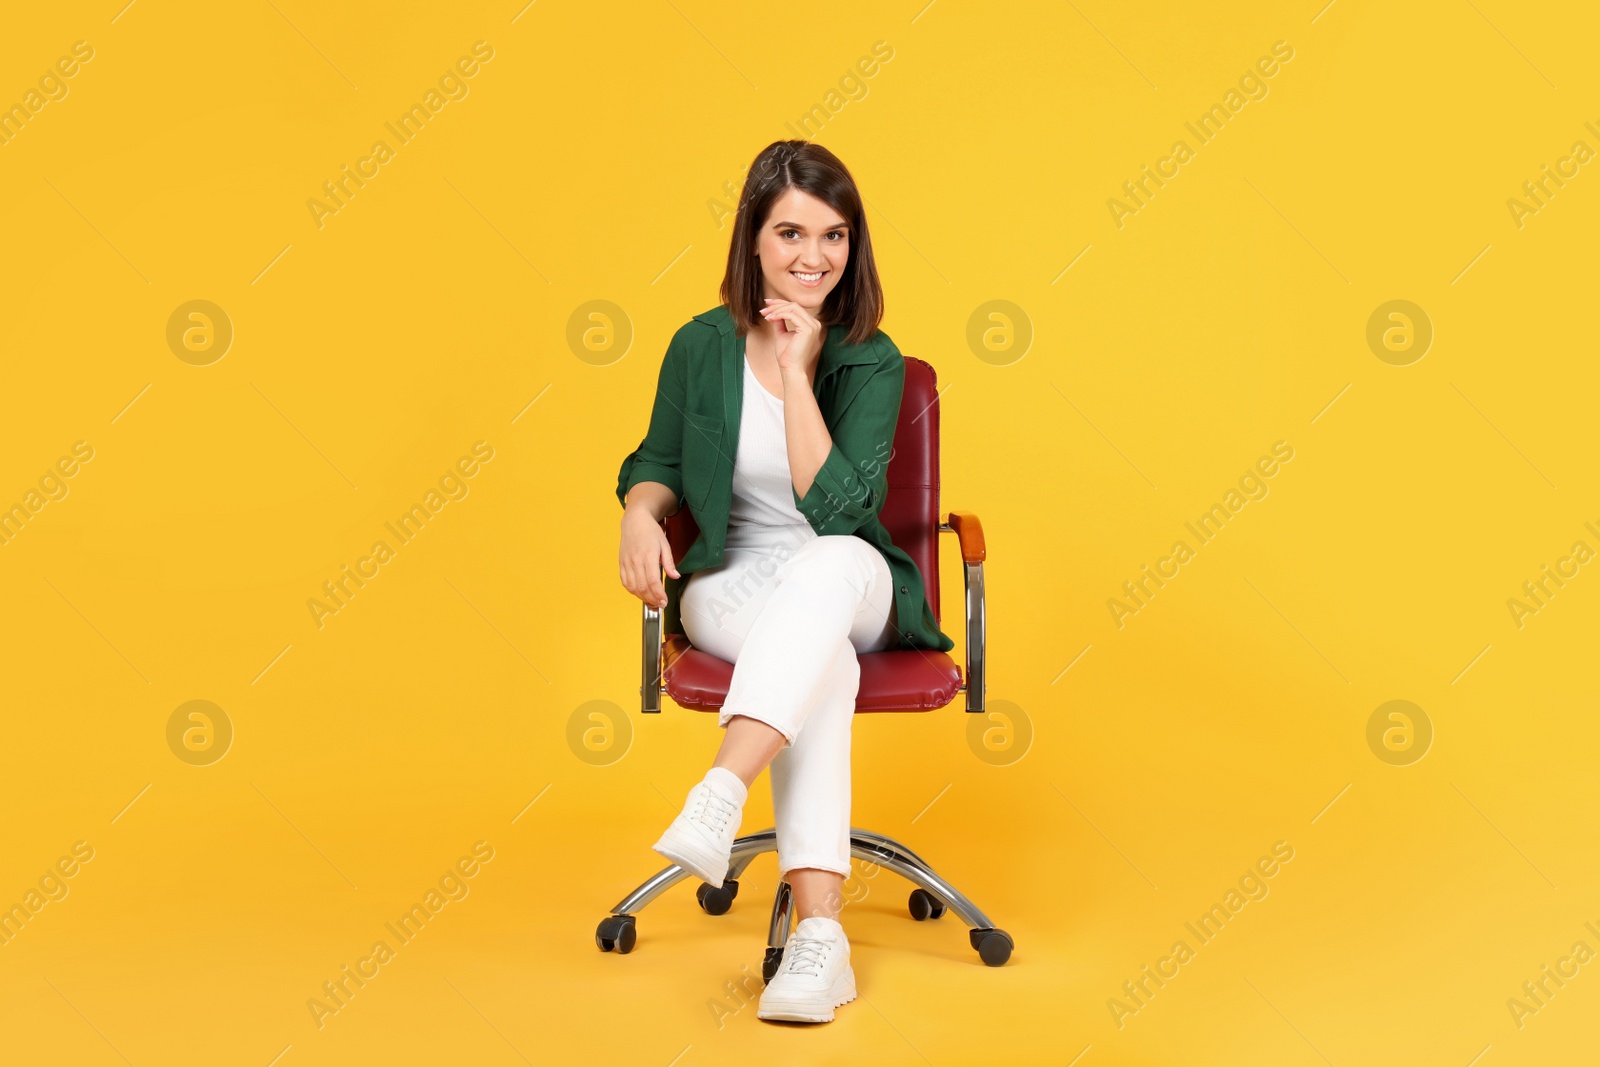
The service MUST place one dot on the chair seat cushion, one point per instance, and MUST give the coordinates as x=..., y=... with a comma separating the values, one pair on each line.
x=912, y=679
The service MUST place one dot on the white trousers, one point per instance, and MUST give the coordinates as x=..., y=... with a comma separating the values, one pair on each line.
x=790, y=609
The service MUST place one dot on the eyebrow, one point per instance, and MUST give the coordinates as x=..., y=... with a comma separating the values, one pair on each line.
x=797, y=226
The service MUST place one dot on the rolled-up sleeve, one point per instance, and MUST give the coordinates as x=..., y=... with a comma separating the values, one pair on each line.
x=659, y=456
x=848, y=491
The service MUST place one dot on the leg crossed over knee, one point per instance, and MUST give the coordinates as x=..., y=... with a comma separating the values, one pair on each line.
x=833, y=554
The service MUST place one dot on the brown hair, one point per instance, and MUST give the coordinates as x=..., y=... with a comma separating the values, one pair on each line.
x=857, y=300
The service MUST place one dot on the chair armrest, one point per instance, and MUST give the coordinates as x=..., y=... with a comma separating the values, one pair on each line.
x=969, y=532
x=650, y=666
x=650, y=658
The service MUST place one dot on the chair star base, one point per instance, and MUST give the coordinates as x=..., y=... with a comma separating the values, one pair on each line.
x=618, y=932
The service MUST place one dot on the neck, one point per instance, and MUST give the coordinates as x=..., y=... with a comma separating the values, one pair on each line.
x=764, y=335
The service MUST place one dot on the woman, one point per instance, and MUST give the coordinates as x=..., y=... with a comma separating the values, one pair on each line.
x=793, y=574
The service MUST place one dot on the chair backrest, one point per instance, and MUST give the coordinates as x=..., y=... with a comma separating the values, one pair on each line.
x=911, y=506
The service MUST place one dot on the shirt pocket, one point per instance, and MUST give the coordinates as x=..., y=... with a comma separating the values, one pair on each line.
x=702, y=456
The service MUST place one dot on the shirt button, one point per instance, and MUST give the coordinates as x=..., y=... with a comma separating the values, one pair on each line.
x=908, y=633
x=903, y=589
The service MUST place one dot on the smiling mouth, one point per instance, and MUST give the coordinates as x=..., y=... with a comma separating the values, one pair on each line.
x=814, y=278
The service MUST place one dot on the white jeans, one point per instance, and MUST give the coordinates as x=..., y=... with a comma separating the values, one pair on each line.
x=790, y=609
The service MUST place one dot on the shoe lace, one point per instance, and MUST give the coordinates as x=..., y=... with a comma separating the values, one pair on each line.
x=807, y=954
x=713, y=811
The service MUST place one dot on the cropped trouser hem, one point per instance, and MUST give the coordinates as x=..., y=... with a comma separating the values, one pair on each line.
x=819, y=863
x=726, y=715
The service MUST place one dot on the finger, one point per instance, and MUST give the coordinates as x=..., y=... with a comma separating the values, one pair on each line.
x=666, y=557
x=649, y=578
x=647, y=584
x=798, y=318
x=641, y=585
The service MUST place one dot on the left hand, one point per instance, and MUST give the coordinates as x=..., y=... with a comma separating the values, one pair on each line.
x=799, y=342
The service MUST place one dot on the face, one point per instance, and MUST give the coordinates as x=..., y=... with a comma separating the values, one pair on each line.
x=802, y=236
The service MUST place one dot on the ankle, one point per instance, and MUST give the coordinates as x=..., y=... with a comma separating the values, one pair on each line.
x=735, y=774
x=727, y=782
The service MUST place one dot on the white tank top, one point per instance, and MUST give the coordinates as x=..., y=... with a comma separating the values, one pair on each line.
x=763, y=491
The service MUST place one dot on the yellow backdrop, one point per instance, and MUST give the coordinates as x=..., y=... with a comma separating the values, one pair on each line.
x=1266, y=344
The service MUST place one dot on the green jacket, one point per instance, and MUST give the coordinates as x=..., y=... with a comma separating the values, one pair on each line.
x=694, y=432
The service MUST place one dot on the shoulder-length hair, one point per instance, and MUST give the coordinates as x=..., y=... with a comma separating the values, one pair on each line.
x=857, y=300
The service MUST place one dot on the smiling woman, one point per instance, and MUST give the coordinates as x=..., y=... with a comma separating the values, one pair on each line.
x=787, y=234
x=774, y=415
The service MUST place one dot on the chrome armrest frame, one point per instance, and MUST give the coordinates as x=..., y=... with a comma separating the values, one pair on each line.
x=650, y=680
x=977, y=686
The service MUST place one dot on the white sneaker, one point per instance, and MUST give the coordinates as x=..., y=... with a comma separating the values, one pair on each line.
x=700, y=839
x=815, y=976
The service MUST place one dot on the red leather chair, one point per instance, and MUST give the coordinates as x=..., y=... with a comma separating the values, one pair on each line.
x=893, y=680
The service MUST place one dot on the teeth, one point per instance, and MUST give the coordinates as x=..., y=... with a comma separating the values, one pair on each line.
x=808, y=277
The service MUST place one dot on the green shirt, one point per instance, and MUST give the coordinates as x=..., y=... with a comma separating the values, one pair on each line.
x=694, y=433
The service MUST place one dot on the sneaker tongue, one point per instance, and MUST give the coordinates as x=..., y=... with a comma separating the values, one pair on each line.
x=818, y=926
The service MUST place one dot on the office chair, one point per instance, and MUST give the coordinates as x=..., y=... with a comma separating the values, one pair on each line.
x=892, y=680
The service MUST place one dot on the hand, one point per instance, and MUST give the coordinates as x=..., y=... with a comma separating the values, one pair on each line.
x=799, y=341
x=644, y=552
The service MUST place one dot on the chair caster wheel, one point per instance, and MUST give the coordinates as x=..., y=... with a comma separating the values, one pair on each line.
x=770, y=965
x=717, y=900
x=924, y=905
x=616, y=933
x=993, y=945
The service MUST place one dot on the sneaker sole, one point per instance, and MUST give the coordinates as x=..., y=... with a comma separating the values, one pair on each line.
x=796, y=1011
x=694, y=857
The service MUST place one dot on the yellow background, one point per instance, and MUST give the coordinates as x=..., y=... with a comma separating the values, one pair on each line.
x=431, y=711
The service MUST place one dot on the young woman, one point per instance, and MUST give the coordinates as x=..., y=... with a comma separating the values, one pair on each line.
x=793, y=574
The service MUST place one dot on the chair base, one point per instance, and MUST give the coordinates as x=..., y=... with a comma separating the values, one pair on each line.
x=933, y=895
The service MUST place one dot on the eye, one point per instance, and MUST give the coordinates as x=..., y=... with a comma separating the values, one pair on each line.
x=786, y=233
x=839, y=234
